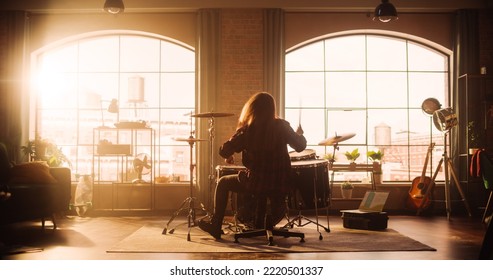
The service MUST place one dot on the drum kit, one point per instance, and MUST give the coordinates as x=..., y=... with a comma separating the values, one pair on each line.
x=189, y=203
x=308, y=170
x=305, y=168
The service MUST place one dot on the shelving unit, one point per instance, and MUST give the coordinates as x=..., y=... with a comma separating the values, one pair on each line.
x=114, y=180
x=474, y=90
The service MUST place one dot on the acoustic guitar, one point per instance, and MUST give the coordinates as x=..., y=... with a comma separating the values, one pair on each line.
x=420, y=186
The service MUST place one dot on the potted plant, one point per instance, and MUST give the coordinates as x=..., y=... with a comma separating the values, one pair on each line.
x=352, y=157
x=347, y=190
x=330, y=158
x=44, y=150
x=476, y=137
x=376, y=158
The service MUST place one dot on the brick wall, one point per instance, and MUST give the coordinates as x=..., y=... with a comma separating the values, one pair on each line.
x=241, y=64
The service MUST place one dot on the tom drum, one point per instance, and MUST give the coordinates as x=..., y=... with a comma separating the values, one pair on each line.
x=307, y=154
x=310, y=184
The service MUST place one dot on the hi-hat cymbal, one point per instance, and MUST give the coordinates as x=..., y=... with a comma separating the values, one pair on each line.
x=337, y=139
x=189, y=140
x=212, y=115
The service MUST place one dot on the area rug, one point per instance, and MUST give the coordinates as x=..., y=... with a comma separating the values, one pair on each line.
x=149, y=239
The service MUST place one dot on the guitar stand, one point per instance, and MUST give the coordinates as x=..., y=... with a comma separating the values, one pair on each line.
x=448, y=167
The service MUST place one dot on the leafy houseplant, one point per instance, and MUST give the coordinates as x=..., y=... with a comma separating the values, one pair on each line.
x=352, y=156
x=347, y=190
x=44, y=150
x=476, y=136
x=376, y=158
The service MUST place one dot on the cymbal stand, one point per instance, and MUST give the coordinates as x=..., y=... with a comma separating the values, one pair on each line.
x=189, y=203
x=212, y=176
x=448, y=167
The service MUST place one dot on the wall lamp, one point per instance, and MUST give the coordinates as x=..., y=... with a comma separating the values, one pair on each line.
x=385, y=12
x=114, y=6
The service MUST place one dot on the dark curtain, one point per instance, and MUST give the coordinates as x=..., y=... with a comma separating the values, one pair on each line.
x=466, y=61
x=208, y=54
x=466, y=58
x=13, y=84
x=274, y=54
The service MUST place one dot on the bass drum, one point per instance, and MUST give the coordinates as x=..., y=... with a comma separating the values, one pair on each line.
x=310, y=184
x=244, y=204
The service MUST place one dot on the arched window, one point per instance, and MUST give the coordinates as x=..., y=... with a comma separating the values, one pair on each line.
x=373, y=86
x=151, y=77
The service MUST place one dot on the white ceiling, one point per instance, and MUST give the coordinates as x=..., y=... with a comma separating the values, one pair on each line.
x=91, y=6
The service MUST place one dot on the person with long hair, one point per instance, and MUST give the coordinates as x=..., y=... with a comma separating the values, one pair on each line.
x=262, y=139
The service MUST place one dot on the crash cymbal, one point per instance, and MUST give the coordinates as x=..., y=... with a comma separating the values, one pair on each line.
x=212, y=115
x=337, y=139
x=189, y=140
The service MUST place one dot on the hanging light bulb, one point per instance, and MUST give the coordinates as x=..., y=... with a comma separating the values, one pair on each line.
x=385, y=12
x=114, y=6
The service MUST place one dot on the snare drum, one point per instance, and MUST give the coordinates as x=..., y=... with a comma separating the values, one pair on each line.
x=310, y=184
x=303, y=155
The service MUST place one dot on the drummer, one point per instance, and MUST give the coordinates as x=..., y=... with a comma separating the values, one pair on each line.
x=262, y=138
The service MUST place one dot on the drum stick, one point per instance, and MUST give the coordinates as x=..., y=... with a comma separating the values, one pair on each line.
x=299, y=113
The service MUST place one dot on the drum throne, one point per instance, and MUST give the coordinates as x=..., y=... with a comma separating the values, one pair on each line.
x=264, y=225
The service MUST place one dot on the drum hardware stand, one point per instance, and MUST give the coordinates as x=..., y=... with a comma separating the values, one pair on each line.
x=189, y=203
x=448, y=167
x=298, y=219
x=212, y=176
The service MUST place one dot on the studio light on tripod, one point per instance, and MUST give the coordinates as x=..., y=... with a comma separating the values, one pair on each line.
x=445, y=119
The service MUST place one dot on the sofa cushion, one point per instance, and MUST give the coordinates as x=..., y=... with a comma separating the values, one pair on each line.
x=36, y=172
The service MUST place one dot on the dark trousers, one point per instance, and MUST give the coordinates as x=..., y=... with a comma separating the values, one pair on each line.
x=231, y=183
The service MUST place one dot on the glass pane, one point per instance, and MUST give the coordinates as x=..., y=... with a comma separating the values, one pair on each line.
x=99, y=54
x=176, y=58
x=387, y=89
x=426, y=85
x=307, y=58
x=63, y=59
x=139, y=54
x=57, y=90
x=345, y=53
x=178, y=90
x=347, y=122
x=386, y=54
x=386, y=126
x=346, y=89
x=425, y=59
x=97, y=89
x=305, y=89
x=312, y=121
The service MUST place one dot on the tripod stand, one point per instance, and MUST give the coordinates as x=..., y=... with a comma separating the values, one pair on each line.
x=189, y=203
x=448, y=167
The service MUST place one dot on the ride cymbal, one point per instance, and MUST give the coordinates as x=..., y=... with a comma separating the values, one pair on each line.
x=189, y=140
x=212, y=115
x=337, y=139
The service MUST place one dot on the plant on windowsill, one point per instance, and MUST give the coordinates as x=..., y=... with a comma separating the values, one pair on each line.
x=376, y=159
x=347, y=190
x=330, y=158
x=352, y=157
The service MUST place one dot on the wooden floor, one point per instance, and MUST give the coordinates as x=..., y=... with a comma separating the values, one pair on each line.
x=88, y=238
